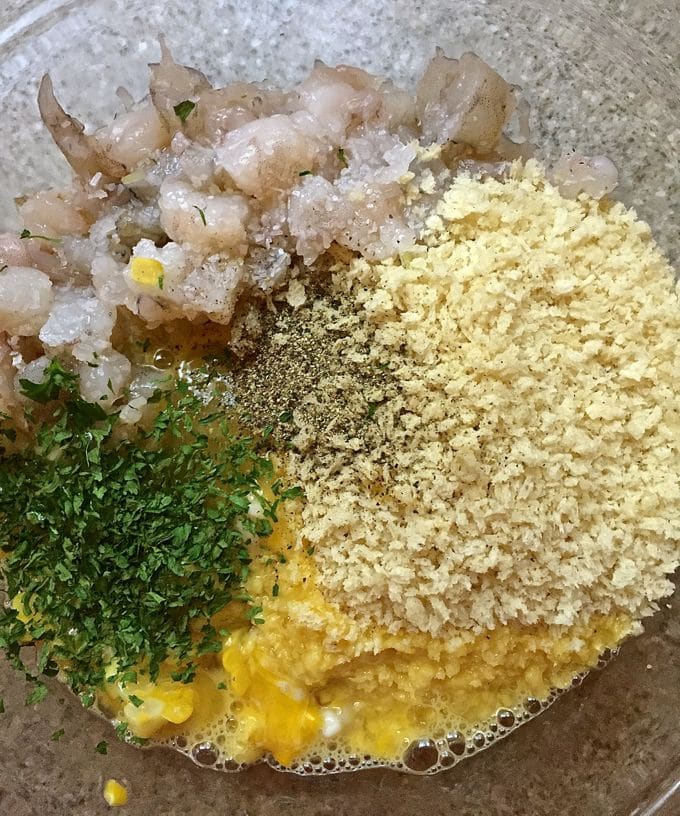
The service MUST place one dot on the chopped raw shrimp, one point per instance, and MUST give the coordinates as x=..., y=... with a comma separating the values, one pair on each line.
x=80, y=151
x=266, y=156
x=219, y=110
x=596, y=176
x=104, y=377
x=15, y=251
x=317, y=215
x=209, y=223
x=25, y=300
x=172, y=84
x=214, y=288
x=133, y=136
x=464, y=101
x=55, y=213
x=335, y=96
x=78, y=319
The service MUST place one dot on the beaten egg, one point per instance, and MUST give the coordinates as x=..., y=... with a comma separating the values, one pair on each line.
x=306, y=687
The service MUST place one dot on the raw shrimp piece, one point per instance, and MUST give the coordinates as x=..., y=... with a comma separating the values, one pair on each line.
x=110, y=284
x=377, y=157
x=209, y=223
x=133, y=136
x=214, y=287
x=25, y=300
x=15, y=251
x=78, y=319
x=171, y=84
x=103, y=378
x=220, y=110
x=266, y=156
x=464, y=101
x=55, y=213
x=268, y=267
x=317, y=214
x=80, y=151
x=336, y=96
x=595, y=176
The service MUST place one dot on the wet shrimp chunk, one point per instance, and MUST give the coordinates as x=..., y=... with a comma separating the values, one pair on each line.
x=197, y=197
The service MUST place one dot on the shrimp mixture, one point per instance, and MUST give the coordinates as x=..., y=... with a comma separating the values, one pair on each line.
x=466, y=363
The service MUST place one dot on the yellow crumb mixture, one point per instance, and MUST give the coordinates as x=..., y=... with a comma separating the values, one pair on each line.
x=520, y=515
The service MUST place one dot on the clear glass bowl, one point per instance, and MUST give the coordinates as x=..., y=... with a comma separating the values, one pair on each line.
x=601, y=77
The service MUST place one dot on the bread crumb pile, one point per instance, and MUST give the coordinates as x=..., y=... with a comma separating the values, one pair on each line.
x=529, y=467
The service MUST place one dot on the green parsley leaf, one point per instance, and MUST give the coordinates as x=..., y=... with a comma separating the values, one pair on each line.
x=161, y=281
x=87, y=699
x=135, y=700
x=183, y=109
x=57, y=735
x=292, y=493
x=37, y=694
x=275, y=590
x=286, y=416
x=121, y=730
x=28, y=234
x=202, y=214
x=222, y=685
x=55, y=380
x=103, y=746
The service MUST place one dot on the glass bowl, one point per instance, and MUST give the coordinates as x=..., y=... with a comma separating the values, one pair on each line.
x=601, y=77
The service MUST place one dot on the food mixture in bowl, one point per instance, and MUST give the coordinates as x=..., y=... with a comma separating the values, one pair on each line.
x=338, y=431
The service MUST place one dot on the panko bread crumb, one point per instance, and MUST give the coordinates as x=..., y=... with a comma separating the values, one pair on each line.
x=528, y=470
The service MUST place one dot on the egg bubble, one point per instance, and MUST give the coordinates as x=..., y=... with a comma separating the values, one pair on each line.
x=421, y=756
x=456, y=743
x=505, y=718
x=205, y=753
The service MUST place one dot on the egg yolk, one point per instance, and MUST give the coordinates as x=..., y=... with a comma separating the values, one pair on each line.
x=311, y=680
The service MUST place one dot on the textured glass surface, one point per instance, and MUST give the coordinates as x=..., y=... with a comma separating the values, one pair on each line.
x=601, y=77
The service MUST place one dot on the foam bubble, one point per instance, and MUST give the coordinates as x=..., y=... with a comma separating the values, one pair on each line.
x=449, y=742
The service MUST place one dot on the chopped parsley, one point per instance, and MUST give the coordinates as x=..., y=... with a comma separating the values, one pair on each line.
x=120, y=543
x=122, y=730
x=28, y=234
x=275, y=591
x=102, y=747
x=37, y=694
x=341, y=156
x=183, y=109
x=161, y=281
x=57, y=735
x=202, y=214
